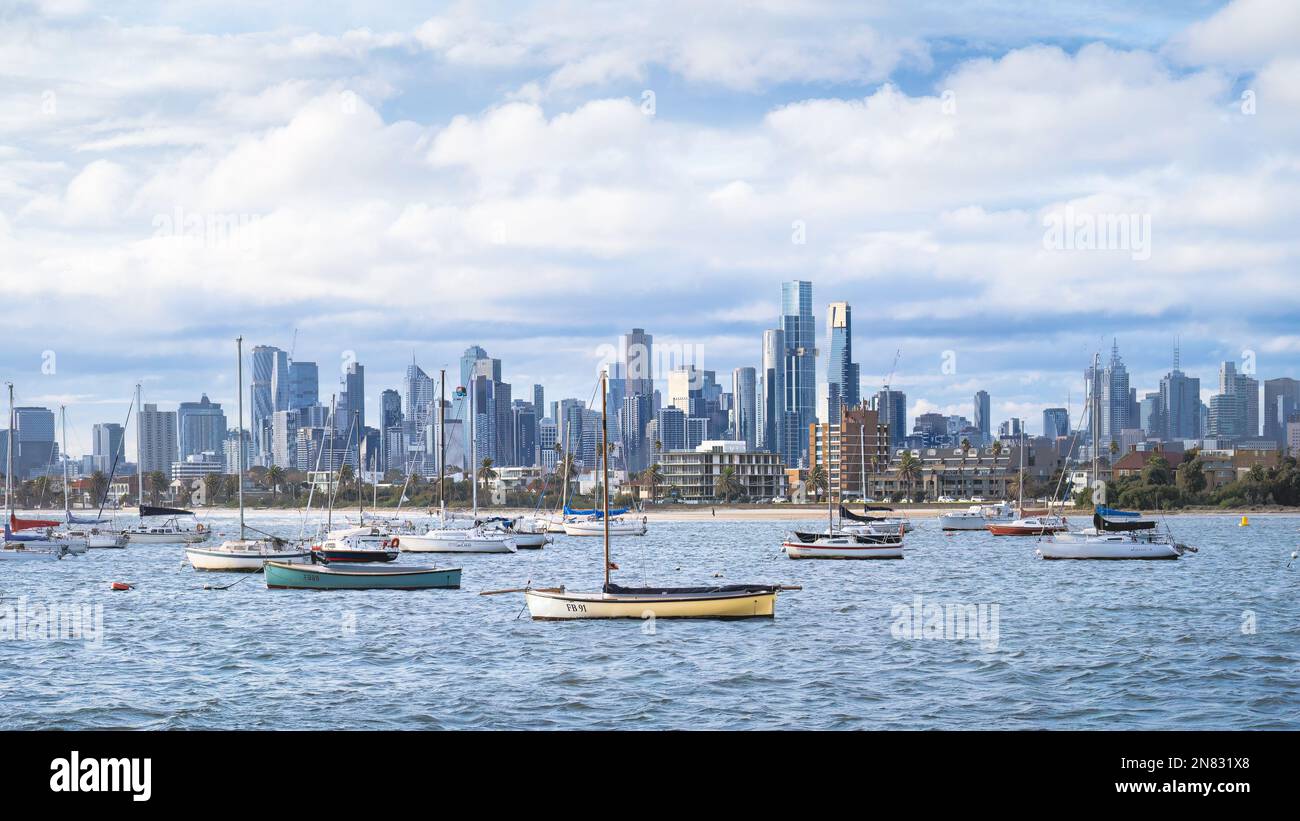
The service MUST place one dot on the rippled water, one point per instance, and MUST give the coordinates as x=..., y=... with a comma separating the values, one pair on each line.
x=1079, y=644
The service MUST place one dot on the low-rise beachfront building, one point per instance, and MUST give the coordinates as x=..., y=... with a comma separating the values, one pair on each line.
x=692, y=475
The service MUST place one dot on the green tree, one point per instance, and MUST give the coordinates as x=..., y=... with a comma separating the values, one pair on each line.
x=274, y=477
x=728, y=484
x=98, y=486
x=486, y=473
x=653, y=477
x=157, y=484
x=212, y=486
x=909, y=470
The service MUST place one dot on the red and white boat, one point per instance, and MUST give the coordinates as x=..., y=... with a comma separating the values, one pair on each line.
x=1041, y=525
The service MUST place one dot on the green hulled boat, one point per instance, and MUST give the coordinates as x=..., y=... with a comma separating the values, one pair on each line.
x=283, y=576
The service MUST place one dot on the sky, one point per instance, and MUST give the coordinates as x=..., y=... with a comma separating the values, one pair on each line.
x=538, y=178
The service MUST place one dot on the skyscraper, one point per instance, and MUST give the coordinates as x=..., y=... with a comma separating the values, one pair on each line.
x=771, y=394
x=1281, y=400
x=352, y=401
x=800, y=361
x=158, y=447
x=983, y=422
x=1056, y=422
x=744, y=387
x=202, y=427
x=638, y=363
x=304, y=385
x=842, y=375
x=107, y=445
x=1113, y=398
x=1180, y=404
x=262, y=391
x=891, y=410
x=34, y=444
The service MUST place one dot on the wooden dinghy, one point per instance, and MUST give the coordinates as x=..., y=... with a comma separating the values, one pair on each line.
x=285, y=576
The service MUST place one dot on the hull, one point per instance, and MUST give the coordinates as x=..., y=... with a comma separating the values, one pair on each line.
x=181, y=537
x=454, y=541
x=546, y=605
x=967, y=522
x=530, y=541
x=624, y=528
x=106, y=541
x=1106, y=549
x=839, y=550
x=243, y=561
x=23, y=554
x=1020, y=530
x=356, y=555
x=283, y=576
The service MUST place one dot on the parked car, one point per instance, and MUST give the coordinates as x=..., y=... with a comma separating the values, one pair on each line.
x=779, y=500
x=945, y=499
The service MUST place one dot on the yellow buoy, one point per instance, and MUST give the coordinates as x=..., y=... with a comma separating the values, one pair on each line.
x=1245, y=522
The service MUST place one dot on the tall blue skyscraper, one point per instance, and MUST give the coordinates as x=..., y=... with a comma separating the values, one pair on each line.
x=269, y=392
x=1180, y=404
x=891, y=407
x=983, y=422
x=800, y=329
x=744, y=388
x=771, y=395
x=304, y=385
x=202, y=427
x=842, y=374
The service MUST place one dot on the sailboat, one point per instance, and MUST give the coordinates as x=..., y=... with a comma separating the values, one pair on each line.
x=244, y=554
x=1034, y=524
x=355, y=545
x=860, y=541
x=1115, y=534
x=737, y=601
x=444, y=539
x=158, y=525
x=17, y=548
x=594, y=523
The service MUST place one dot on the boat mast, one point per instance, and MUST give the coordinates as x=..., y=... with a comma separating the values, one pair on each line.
x=9, y=460
x=604, y=450
x=333, y=434
x=862, y=456
x=1020, y=480
x=63, y=416
x=1095, y=406
x=442, y=447
x=239, y=445
x=139, y=450
x=473, y=452
x=361, y=504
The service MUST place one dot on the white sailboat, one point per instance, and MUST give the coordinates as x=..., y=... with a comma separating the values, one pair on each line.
x=977, y=516
x=596, y=526
x=244, y=554
x=1037, y=524
x=858, y=541
x=15, y=548
x=1115, y=534
x=739, y=601
x=444, y=539
x=158, y=525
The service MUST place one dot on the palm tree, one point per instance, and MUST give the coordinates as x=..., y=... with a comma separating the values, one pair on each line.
x=345, y=476
x=1114, y=449
x=997, y=450
x=212, y=487
x=653, y=476
x=567, y=466
x=98, y=485
x=230, y=486
x=157, y=485
x=817, y=478
x=727, y=485
x=274, y=476
x=486, y=473
x=909, y=470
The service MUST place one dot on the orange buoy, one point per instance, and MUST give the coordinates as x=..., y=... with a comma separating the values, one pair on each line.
x=120, y=586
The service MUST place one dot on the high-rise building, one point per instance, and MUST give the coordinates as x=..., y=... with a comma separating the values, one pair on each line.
x=34, y=443
x=670, y=424
x=201, y=426
x=265, y=391
x=1246, y=389
x=1149, y=419
x=983, y=421
x=770, y=416
x=107, y=445
x=1180, y=404
x=1113, y=398
x=158, y=446
x=547, y=435
x=1056, y=422
x=744, y=388
x=284, y=439
x=304, y=385
x=1281, y=401
x=686, y=390
x=352, y=399
x=638, y=362
x=800, y=361
x=524, y=419
x=842, y=383
x=230, y=450
x=891, y=409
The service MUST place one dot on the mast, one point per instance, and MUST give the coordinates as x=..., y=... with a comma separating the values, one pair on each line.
x=1095, y=406
x=63, y=416
x=442, y=446
x=139, y=449
x=862, y=457
x=9, y=460
x=604, y=452
x=239, y=445
x=333, y=434
x=361, y=504
x=1020, y=480
x=473, y=452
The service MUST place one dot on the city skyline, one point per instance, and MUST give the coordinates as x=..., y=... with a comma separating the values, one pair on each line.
x=952, y=179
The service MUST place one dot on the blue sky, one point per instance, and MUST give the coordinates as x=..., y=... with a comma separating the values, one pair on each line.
x=539, y=178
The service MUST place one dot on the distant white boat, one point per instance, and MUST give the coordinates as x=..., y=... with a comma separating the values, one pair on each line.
x=1114, y=535
x=595, y=526
x=842, y=545
x=977, y=516
x=471, y=540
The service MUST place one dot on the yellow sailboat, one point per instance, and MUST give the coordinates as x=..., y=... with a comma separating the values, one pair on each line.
x=737, y=601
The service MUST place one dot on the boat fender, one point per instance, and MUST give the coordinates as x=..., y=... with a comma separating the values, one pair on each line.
x=395, y=542
x=120, y=586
